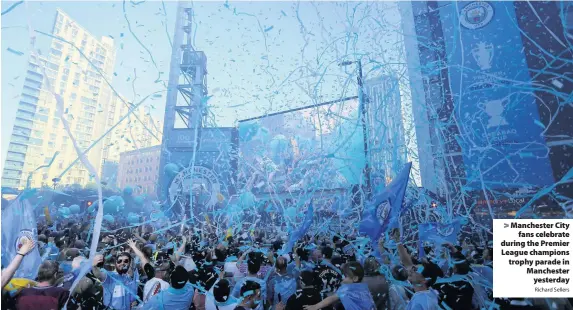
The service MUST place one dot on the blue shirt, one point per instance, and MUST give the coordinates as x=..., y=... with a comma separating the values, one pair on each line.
x=285, y=285
x=171, y=299
x=356, y=296
x=425, y=300
x=119, y=291
x=54, y=251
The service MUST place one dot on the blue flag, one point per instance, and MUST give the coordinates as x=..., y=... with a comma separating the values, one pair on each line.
x=383, y=211
x=437, y=234
x=299, y=233
x=18, y=221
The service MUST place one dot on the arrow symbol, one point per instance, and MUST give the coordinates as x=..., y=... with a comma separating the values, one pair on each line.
x=505, y=225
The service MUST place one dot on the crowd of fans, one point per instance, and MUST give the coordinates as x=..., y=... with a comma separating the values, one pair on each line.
x=189, y=268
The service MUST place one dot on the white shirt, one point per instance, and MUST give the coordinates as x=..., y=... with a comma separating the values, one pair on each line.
x=151, y=287
x=231, y=267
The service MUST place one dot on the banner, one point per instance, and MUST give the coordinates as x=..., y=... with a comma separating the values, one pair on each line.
x=494, y=100
x=18, y=221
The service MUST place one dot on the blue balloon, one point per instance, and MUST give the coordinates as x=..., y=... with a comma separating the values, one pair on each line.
x=128, y=191
x=113, y=204
x=75, y=209
x=139, y=200
x=171, y=169
x=109, y=218
x=133, y=218
x=65, y=212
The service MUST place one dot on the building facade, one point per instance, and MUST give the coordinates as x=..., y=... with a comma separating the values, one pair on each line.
x=134, y=131
x=489, y=82
x=78, y=67
x=76, y=74
x=109, y=173
x=387, y=144
x=140, y=170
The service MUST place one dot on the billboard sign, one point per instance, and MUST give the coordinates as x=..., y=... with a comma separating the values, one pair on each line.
x=495, y=104
x=318, y=147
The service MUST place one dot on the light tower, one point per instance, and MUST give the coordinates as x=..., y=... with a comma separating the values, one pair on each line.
x=185, y=108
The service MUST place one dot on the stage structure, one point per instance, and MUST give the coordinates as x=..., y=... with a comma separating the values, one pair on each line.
x=197, y=164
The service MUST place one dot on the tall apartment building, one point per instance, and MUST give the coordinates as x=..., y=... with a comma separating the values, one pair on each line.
x=387, y=143
x=78, y=71
x=77, y=74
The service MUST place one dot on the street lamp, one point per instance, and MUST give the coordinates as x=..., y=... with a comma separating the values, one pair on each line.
x=362, y=101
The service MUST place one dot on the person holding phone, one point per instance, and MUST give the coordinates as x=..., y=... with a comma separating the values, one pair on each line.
x=119, y=286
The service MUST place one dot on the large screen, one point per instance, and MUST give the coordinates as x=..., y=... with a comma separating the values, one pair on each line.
x=317, y=147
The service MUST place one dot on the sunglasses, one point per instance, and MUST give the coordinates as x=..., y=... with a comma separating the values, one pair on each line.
x=122, y=261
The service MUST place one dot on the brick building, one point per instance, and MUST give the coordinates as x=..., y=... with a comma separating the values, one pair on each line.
x=140, y=170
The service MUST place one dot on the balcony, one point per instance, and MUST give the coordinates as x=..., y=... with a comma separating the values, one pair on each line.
x=12, y=174
x=14, y=165
x=29, y=99
x=23, y=123
x=19, y=139
x=17, y=148
x=25, y=115
x=13, y=183
x=25, y=106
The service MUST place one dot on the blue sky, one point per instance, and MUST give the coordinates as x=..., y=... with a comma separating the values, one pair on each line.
x=262, y=56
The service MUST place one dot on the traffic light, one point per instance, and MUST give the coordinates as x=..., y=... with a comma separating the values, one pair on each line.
x=85, y=204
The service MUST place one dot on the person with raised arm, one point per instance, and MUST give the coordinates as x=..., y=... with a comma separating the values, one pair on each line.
x=424, y=297
x=8, y=272
x=156, y=275
x=120, y=286
x=353, y=294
